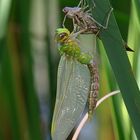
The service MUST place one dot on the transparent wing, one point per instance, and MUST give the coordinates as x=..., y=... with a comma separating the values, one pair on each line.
x=72, y=92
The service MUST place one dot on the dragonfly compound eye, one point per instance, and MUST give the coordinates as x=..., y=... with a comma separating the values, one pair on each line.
x=63, y=35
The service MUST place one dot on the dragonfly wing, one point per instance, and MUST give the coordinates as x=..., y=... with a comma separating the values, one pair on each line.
x=72, y=92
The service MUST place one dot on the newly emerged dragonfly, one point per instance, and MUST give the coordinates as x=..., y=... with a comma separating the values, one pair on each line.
x=76, y=81
x=83, y=20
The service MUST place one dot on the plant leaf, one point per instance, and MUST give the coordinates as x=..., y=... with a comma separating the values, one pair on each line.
x=118, y=59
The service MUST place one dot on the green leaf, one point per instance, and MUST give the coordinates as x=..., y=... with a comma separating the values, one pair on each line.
x=118, y=59
x=5, y=6
x=23, y=19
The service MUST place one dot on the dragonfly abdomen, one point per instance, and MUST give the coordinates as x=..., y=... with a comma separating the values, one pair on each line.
x=94, y=87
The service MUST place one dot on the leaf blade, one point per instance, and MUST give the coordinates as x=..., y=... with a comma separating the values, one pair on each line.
x=118, y=59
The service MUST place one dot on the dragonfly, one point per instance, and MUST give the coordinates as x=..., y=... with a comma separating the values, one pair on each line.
x=83, y=20
x=76, y=83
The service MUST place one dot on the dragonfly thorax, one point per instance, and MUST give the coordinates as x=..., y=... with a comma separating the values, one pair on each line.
x=70, y=47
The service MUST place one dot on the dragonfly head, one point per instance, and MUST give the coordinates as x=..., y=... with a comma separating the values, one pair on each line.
x=71, y=12
x=65, y=10
x=62, y=35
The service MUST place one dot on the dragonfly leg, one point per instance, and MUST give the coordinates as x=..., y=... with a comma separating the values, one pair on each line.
x=97, y=32
x=91, y=8
x=85, y=7
x=108, y=17
x=80, y=3
x=107, y=20
x=76, y=22
x=63, y=23
x=74, y=26
x=86, y=27
x=94, y=5
x=75, y=34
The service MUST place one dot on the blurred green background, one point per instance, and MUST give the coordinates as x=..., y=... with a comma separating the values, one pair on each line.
x=28, y=70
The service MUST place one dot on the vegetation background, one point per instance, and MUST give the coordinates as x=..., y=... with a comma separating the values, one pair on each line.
x=28, y=70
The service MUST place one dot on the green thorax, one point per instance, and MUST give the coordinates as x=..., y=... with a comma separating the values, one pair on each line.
x=70, y=47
